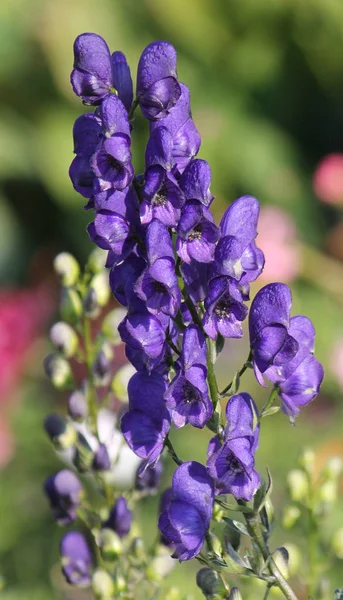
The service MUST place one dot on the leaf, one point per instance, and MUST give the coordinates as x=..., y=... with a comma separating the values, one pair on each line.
x=235, y=384
x=263, y=493
x=236, y=562
x=220, y=341
x=270, y=411
x=236, y=525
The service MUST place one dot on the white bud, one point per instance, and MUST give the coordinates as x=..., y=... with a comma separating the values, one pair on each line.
x=67, y=268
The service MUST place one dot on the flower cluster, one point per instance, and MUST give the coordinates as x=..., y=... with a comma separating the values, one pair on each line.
x=185, y=283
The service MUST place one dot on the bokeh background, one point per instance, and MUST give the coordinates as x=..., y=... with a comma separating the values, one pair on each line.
x=266, y=88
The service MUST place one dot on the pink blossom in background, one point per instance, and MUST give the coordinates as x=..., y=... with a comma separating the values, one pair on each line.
x=328, y=179
x=278, y=240
x=336, y=362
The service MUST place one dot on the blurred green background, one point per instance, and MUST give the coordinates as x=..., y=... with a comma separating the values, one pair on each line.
x=266, y=89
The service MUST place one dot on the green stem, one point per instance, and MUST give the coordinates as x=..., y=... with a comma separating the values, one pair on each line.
x=246, y=366
x=133, y=108
x=266, y=594
x=211, y=378
x=92, y=407
x=172, y=452
x=273, y=395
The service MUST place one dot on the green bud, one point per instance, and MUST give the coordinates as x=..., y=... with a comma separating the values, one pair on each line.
x=120, y=381
x=270, y=510
x=84, y=454
x=64, y=338
x=103, y=585
x=298, y=485
x=290, y=516
x=119, y=584
x=137, y=549
x=101, y=287
x=333, y=468
x=235, y=594
x=218, y=512
x=70, y=305
x=110, y=325
x=209, y=582
x=337, y=543
x=97, y=260
x=216, y=544
x=328, y=491
x=67, y=268
x=58, y=370
x=281, y=559
x=307, y=460
x=109, y=543
x=295, y=558
x=161, y=565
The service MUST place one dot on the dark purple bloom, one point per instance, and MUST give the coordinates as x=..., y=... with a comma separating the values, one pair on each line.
x=111, y=163
x=185, y=136
x=269, y=322
x=76, y=559
x=87, y=134
x=241, y=415
x=124, y=276
x=186, y=518
x=145, y=339
x=157, y=87
x=237, y=255
x=101, y=461
x=232, y=467
x=198, y=234
x=158, y=285
x=225, y=310
x=195, y=182
x=187, y=395
x=151, y=477
x=147, y=423
x=64, y=491
x=196, y=280
x=120, y=518
x=96, y=73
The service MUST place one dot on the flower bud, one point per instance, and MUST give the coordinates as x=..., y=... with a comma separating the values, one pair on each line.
x=77, y=406
x=281, y=559
x=102, y=365
x=110, y=325
x=90, y=304
x=137, y=549
x=209, y=582
x=119, y=584
x=270, y=510
x=120, y=517
x=328, y=491
x=84, y=454
x=298, y=485
x=64, y=338
x=101, y=461
x=151, y=477
x=58, y=370
x=67, y=268
x=295, y=558
x=120, y=382
x=337, y=543
x=109, y=544
x=290, y=516
x=218, y=513
x=307, y=460
x=76, y=559
x=102, y=585
x=235, y=594
x=333, y=468
x=65, y=493
x=60, y=431
x=97, y=260
x=161, y=565
x=70, y=305
x=101, y=287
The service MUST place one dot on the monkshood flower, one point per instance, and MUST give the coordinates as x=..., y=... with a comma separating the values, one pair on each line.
x=96, y=73
x=237, y=255
x=147, y=422
x=87, y=133
x=145, y=339
x=197, y=233
x=196, y=279
x=76, y=559
x=120, y=517
x=195, y=182
x=158, y=285
x=300, y=378
x=162, y=197
x=124, y=276
x=101, y=461
x=65, y=492
x=231, y=463
x=225, y=310
x=185, y=136
x=269, y=322
x=186, y=519
x=157, y=87
x=150, y=479
x=187, y=395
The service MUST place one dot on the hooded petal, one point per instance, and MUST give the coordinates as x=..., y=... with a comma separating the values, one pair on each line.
x=122, y=79
x=91, y=77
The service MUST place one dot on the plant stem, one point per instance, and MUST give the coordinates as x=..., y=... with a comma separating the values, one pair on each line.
x=240, y=373
x=266, y=594
x=172, y=452
x=270, y=401
x=211, y=378
x=92, y=408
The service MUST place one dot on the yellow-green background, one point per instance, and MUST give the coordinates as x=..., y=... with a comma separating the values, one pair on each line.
x=266, y=81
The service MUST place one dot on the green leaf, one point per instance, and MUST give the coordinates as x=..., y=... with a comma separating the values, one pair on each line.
x=236, y=525
x=236, y=562
x=270, y=411
x=263, y=493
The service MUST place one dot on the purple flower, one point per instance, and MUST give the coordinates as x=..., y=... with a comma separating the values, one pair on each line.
x=158, y=285
x=195, y=182
x=186, y=519
x=187, y=395
x=111, y=163
x=145, y=338
x=96, y=74
x=147, y=423
x=120, y=518
x=269, y=322
x=185, y=136
x=64, y=491
x=101, y=461
x=196, y=278
x=237, y=255
x=76, y=559
x=157, y=87
x=241, y=415
x=232, y=467
x=87, y=134
x=225, y=310
x=198, y=234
